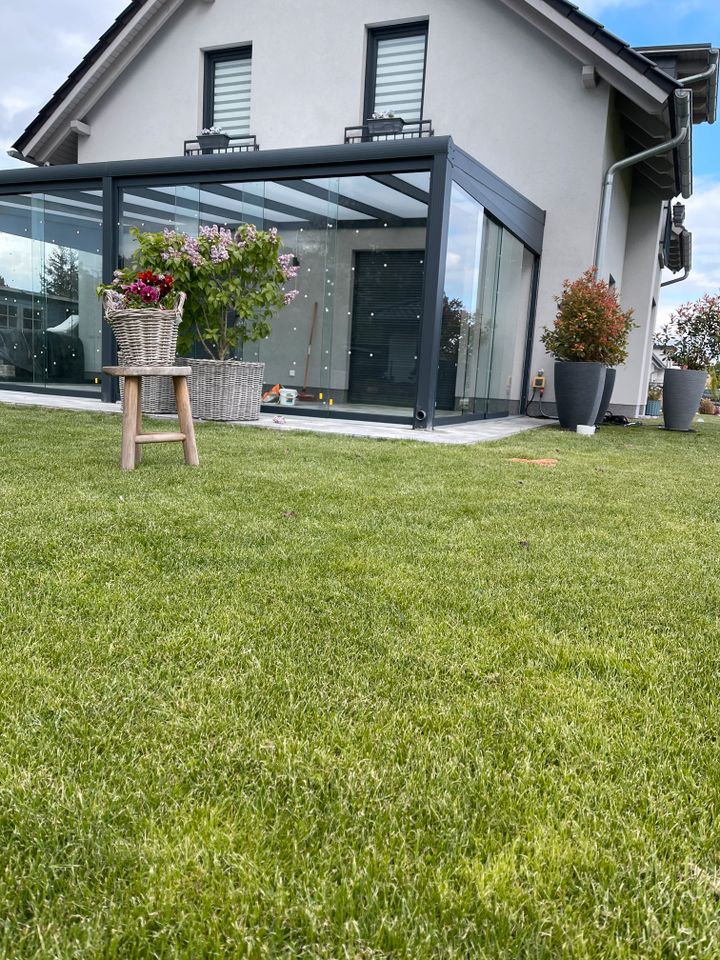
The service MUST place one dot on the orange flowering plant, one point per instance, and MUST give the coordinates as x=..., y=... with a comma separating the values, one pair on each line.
x=590, y=324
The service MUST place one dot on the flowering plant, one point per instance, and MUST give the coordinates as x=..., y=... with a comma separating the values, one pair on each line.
x=235, y=282
x=382, y=115
x=211, y=130
x=131, y=290
x=692, y=335
x=590, y=325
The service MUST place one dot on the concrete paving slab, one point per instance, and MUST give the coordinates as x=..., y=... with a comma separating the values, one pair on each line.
x=477, y=431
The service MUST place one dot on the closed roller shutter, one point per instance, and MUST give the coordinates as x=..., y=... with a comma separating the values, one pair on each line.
x=231, y=95
x=399, y=76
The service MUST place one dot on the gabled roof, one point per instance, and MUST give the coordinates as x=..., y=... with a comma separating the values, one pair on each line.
x=51, y=135
x=631, y=56
x=80, y=71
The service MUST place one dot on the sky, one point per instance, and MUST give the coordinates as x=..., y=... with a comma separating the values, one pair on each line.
x=50, y=37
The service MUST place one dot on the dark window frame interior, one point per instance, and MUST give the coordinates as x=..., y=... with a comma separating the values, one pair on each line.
x=213, y=57
x=419, y=28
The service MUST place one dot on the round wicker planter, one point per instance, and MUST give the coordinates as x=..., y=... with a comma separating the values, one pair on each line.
x=145, y=336
x=158, y=395
x=225, y=389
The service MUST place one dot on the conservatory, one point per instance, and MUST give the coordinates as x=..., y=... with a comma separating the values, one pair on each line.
x=416, y=285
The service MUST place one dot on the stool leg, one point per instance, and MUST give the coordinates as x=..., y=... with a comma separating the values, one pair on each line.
x=130, y=415
x=182, y=402
x=138, y=422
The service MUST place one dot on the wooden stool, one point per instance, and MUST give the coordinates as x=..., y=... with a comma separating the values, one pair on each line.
x=132, y=433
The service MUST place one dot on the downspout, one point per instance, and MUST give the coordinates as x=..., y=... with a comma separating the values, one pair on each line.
x=683, y=103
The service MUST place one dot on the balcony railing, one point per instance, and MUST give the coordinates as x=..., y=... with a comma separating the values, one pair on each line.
x=192, y=148
x=410, y=130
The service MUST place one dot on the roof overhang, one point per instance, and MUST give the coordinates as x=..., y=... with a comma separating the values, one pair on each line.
x=46, y=138
x=695, y=66
x=630, y=73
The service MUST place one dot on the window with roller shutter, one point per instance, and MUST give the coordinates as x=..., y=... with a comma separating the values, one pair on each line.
x=395, y=75
x=228, y=75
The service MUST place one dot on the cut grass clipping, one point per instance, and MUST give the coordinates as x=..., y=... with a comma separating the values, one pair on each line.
x=335, y=698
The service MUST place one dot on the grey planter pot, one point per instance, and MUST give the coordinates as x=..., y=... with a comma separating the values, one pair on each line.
x=385, y=127
x=578, y=392
x=606, y=394
x=682, y=390
x=209, y=142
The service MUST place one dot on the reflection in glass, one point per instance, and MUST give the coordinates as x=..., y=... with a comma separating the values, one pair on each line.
x=50, y=264
x=349, y=341
x=488, y=279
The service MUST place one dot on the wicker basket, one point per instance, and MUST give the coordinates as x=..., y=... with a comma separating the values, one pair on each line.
x=225, y=389
x=158, y=395
x=145, y=336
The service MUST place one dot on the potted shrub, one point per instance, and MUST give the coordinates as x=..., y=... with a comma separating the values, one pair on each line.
x=213, y=138
x=692, y=338
x=144, y=312
x=652, y=405
x=235, y=281
x=384, y=124
x=589, y=336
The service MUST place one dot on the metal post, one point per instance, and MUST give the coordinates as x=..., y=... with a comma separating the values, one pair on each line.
x=435, y=256
x=108, y=385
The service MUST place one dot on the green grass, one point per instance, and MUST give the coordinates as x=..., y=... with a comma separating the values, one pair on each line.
x=339, y=698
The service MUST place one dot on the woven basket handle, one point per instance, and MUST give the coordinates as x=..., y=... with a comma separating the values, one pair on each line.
x=107, y=305
x=178, y=306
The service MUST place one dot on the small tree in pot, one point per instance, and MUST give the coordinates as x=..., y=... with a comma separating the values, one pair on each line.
x=692, y=339
x=589, y=336
x=236, y=282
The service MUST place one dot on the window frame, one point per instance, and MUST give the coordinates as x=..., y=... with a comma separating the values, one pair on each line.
x=397, y=31
x=212, y=58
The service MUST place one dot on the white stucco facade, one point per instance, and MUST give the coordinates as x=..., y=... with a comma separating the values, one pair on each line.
x=504, y=90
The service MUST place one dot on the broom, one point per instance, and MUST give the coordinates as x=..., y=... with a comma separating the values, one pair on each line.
x=304, y=394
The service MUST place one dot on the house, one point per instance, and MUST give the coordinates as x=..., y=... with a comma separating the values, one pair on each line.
x=527, y=143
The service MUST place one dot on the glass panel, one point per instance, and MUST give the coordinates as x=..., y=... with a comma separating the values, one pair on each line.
x=349, y=341
x=50, y=265
x=488, y=281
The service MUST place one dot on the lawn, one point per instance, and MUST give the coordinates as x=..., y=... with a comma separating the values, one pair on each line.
x=336, y=698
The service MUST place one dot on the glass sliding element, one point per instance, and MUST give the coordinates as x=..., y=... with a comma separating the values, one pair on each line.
x=50, y=265
x=348, y=343
x=488, y=280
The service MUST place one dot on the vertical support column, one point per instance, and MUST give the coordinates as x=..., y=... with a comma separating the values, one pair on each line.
x=435, y=256
x=532, y=314
x=108, y=385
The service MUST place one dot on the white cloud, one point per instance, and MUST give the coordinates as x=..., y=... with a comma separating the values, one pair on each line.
x=42, y=53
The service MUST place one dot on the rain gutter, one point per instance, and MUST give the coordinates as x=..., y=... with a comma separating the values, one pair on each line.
x=683, y=118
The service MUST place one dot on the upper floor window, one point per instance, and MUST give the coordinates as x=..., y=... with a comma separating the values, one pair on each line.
x=395, y=75
x=227, y=90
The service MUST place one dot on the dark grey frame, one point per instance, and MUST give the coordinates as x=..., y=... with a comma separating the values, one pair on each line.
x=439, y=155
